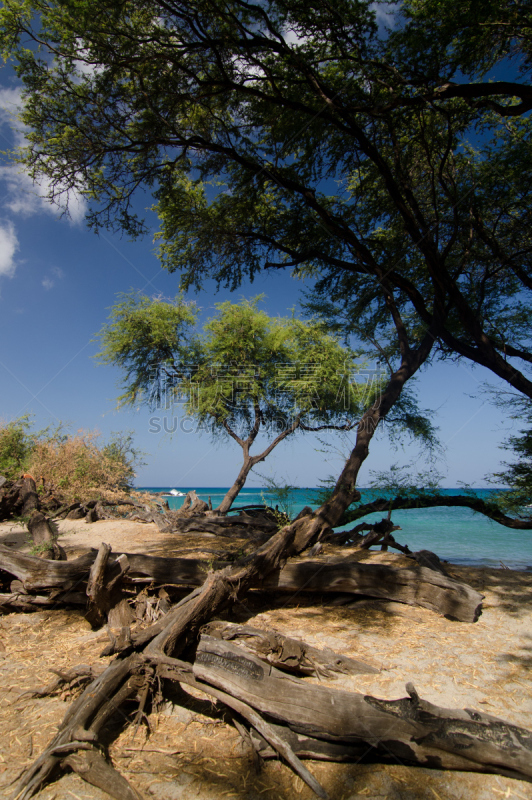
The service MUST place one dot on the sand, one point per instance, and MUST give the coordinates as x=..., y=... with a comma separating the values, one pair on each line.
x=193, y=753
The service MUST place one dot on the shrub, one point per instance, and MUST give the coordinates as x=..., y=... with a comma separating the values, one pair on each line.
x=72, y=467
x=16, y=447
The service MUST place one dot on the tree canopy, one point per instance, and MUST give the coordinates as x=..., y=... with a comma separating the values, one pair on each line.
x=273, y=135
x=245, y=376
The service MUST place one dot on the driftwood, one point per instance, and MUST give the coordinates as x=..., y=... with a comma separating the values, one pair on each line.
x=421, y=586
x=379, y=533
x=21, y=498
x=193, y=505
x=104, y=592
x=409, y=728
x=44, y=535
x=286, y=653
x=127, y=677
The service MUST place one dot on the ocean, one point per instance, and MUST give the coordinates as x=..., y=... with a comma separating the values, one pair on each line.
x=458, y=535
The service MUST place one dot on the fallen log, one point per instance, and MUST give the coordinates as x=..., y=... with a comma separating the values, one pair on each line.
x=106, y=602
x=38, y=573
x=287, y=653
x=125, y=677
x=20, y=601
x=416, y=585
x=410, y=728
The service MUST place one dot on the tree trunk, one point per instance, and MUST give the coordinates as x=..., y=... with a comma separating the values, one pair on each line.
x=231, y=495
x=29, y=496
x=345, y=491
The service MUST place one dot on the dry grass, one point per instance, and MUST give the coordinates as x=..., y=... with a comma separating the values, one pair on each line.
x=79, y=468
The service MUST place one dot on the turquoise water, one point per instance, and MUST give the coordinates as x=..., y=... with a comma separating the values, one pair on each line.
x=455, y=534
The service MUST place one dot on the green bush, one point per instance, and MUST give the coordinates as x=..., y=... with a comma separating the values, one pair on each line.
x=74, y=467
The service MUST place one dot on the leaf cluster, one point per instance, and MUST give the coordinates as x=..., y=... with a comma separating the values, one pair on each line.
x=242, y=369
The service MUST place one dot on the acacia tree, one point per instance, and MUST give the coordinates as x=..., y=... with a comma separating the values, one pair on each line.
x=247, y=376
x=276, y=135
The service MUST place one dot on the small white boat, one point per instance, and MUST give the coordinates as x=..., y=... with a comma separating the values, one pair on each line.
x=177, y=493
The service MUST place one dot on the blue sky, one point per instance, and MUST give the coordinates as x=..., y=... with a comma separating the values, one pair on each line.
x=57, y=282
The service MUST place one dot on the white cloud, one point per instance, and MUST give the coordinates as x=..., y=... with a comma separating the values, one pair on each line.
x=8, y=248
x=25, y=196
x=49, y=282
x=10, y=105
x=22, y=194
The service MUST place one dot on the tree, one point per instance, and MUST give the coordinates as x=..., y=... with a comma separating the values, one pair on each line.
x=516, y=497
x=248, y=374
x=279, y=136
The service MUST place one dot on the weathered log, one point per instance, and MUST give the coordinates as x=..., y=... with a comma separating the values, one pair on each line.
x=36, y=573
x=240, y=520
x=92, y=515
x=102, y=697
x=20, y=601
x=77, y=513
x=426, y=558
x=106, y=600
x=192, y=504
x=287, y=653
x=378, y=533
x=29, y=496
x=93, y=768
x=415, y=586
x=308, y=747
x=404, y=727
x=181, y=624
x=96, y=593
x=279, y=743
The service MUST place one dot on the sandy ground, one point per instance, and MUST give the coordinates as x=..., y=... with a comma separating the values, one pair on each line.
x=192, y=752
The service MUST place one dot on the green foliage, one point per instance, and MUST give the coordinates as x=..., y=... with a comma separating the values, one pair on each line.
x=281, y=494
x=245, y=373
x=385, y=162
x=16, y=447
x=246, y=368
x=403, y=481
x=517, y=498
x=160, y=331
